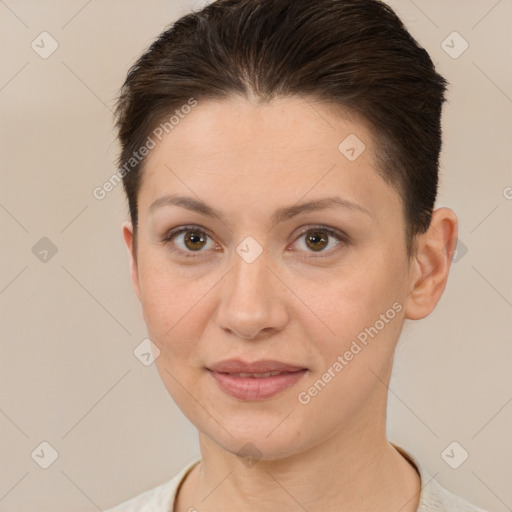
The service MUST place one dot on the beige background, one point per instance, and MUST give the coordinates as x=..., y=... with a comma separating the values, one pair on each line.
x=68, y=375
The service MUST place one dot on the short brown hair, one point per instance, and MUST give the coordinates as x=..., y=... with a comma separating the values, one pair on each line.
x=353, y=53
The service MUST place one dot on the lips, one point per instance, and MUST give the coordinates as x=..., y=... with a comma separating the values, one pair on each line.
x=237, y=366
x=255, y=381
x=256, y=375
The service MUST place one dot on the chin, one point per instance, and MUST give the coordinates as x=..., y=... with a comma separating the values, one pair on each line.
x=254, y=442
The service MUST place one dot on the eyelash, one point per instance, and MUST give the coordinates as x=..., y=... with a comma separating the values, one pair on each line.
x=338, y=235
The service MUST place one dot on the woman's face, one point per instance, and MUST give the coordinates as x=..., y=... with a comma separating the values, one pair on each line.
x=305, y=287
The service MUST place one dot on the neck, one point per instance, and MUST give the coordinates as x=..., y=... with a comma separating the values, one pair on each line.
x=365, y=474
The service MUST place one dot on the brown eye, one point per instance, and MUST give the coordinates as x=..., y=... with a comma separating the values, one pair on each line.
x=194, y=240
x=317, y=240
x=321, y=240
x=189, y=240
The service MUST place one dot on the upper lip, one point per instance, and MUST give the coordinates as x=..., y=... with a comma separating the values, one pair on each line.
x=261, y=366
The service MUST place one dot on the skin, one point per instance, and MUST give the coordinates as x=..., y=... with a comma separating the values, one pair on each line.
x=289, y=304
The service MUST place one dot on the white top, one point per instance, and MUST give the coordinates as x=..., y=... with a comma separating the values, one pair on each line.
x=433, y=497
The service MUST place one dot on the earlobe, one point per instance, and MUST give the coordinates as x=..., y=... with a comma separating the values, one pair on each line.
x=127, y=233
x=436, y=248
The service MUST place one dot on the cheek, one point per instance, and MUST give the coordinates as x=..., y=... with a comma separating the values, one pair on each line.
x=173, y=323
x=360, y=313
x=352, y=297
x=164, y=302
x=367, y=320
x=173, y=307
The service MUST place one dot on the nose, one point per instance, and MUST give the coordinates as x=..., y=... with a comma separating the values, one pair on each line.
x=254, y=299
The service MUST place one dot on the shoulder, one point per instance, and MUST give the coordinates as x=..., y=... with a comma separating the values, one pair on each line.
x=153, y=500
x=434, y=497
x=158, y=499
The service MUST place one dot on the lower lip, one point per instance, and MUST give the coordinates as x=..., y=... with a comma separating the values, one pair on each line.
x=252, y=388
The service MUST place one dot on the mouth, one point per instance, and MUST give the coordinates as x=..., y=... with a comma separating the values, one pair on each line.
x=255, y=375
x=257, y=368
x=257, y=385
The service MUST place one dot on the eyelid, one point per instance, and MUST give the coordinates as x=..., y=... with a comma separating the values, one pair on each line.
x=180, y=229
x=183, y=229
x=342, y=237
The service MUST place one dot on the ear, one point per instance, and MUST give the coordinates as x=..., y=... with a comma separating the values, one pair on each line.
x=127, y=232
x=431, y=264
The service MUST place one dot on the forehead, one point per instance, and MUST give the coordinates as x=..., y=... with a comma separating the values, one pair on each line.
x=294, y=124
x=276, y=152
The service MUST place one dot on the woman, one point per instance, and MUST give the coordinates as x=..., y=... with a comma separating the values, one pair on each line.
x=280, y=160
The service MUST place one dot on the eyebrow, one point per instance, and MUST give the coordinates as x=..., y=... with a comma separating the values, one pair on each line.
x=279, y=215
